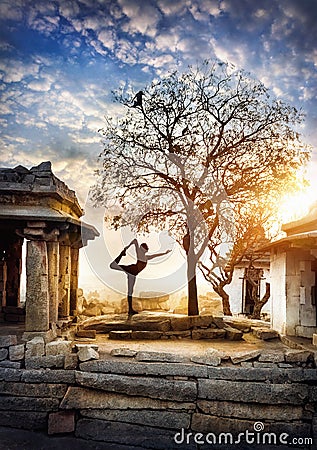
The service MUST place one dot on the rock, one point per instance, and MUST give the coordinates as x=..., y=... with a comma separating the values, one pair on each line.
x=264, y=333
x=61, y=422
x=70, y=361
x=232, y=334
x=209, y=333
x=10, y=364
x=177, y=334
x=201, y=321
x=35, y=347
x=160, y=357
x=3, y=354
x=271, y=356
x=16, y=352
x=146, y=334
x=91, y=334
x=45, y=362
x=7, y=341
x=180, y=323
x=120, y=334
x=86, y=353
x=244, y=356
x=58, y=348
x=124, y=352
x=294, y=356
x=209, y=360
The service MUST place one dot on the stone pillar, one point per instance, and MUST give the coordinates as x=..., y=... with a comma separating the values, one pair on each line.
x=53, y=276
x=3, y=282
x=37, y=305
x=64, y=280
x=74, y=280
x=14, y=268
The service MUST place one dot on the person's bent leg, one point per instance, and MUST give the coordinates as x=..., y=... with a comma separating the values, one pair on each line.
x=115, y=264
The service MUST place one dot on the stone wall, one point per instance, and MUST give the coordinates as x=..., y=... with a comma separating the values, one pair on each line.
x=137, y=399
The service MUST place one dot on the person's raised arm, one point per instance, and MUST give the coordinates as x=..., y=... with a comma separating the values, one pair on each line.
x=156, y=255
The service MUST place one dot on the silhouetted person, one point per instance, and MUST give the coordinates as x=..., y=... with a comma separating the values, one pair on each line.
x=138, y=99
x=132, y=270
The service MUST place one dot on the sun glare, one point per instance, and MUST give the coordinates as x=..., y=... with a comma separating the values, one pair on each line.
x=296, y=206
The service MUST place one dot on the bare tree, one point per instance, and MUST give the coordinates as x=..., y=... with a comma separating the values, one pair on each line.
x=194, y=146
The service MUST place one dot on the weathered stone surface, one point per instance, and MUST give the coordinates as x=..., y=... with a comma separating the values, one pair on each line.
x=55, y=348
x=180, y=323
x=16, y=352
x=160, y=357
x=33, y=390
x=10, y=364
x=264, y=333
x=79, y=346
x=86, y=353
x=133, y=368
x=266, y=365
x=177, y=334
x=208, y=358
x=144, y=386
x=209, y=333
x=3, y=353
x=120, y=334
x=71, y=361
x=152, y=325
x=35, y=347
x=49, y=362
x=232, y=334
x=253, y=392
x=315, y=339
x=121, y=433
x=48, y=376
x=201, y=321
x=85, y=399
x=48, y=335
x=6, y=341
x=241, y=324
x=9, y=374
x=271, y=356
x=236, y=358
x=28, y=404
x=61, y=422
x=253, y=411
x=162, y=419
x=28, y=420
x=124, y=352
x=297, y=356
x=146, y=334
x=91, y=334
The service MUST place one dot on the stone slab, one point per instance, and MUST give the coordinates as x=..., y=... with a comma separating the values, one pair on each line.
x=3, y=353
x=232, y=334
x=272, y=356
x=160, y=357
x=16, y=352
x=81, y=398
x=145, y=368
x=29, y=420
x=39, y=362
x=207, y=359
x=123, y=352
x=9, y=403
x=146, y=335
x=239, y=357
x=71, y=361
x=294, y=356
x=61, y=422
x=87, y=353
x=6, y=341
x=120, y=334
x=48, y=376
x=35, y=347
x=264, y=333
x=55, y=348
x=10, y=374
x=10, y=364
x=208, y=333
x=143, y=386
x=33, y=390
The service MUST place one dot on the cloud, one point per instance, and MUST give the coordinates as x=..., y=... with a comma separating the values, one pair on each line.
x=143, y=17
x=41, y=85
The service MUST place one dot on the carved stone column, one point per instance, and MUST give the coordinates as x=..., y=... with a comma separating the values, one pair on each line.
x=37, y=298
x=53, y=276
x=64, y=279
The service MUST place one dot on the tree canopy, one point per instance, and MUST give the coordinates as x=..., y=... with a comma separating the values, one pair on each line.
x=191, y=149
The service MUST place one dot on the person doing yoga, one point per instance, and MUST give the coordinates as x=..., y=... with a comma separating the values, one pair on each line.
x=132, y=270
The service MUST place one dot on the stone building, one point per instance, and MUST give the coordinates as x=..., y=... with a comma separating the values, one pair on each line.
x=37, y=207
x=293, y=271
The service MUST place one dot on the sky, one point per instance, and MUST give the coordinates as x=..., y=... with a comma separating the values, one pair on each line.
x=60, y=61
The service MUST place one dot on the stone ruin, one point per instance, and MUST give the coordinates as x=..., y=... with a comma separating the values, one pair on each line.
x=40, y=209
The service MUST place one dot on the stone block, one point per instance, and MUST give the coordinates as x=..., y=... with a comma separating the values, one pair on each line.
x=294, y=356
x=143, y=386
x=35, y=347
x=145, y=368
x=47, y=376
x=124, y=352
x=10, y=364
x=209, y=333
x=16, y=352
x=9, y=403
x=177, y=334
x=264, y=333
x=7, y=341
x=71, y=361
x=180, y=323
x=10, y=374
x=86, y=353
x=91, y=334
x=209, y=360
x=3, y=354
x=33, y=389
x=55, y=348
x=238, y=357
x=250, y=392
x=80, y=398
x=271, y=356
x=61, y=422
x=28, y=420
x=48, y=336
x=45, y=362
x=201, y=321
x=160, y=357
x=151, y=325
x=120, y=334
x=232, y=334
x=140, y=335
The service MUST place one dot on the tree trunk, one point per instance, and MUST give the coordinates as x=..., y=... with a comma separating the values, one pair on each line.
x=258, y=304
x=192, y=286
x=225, y=299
